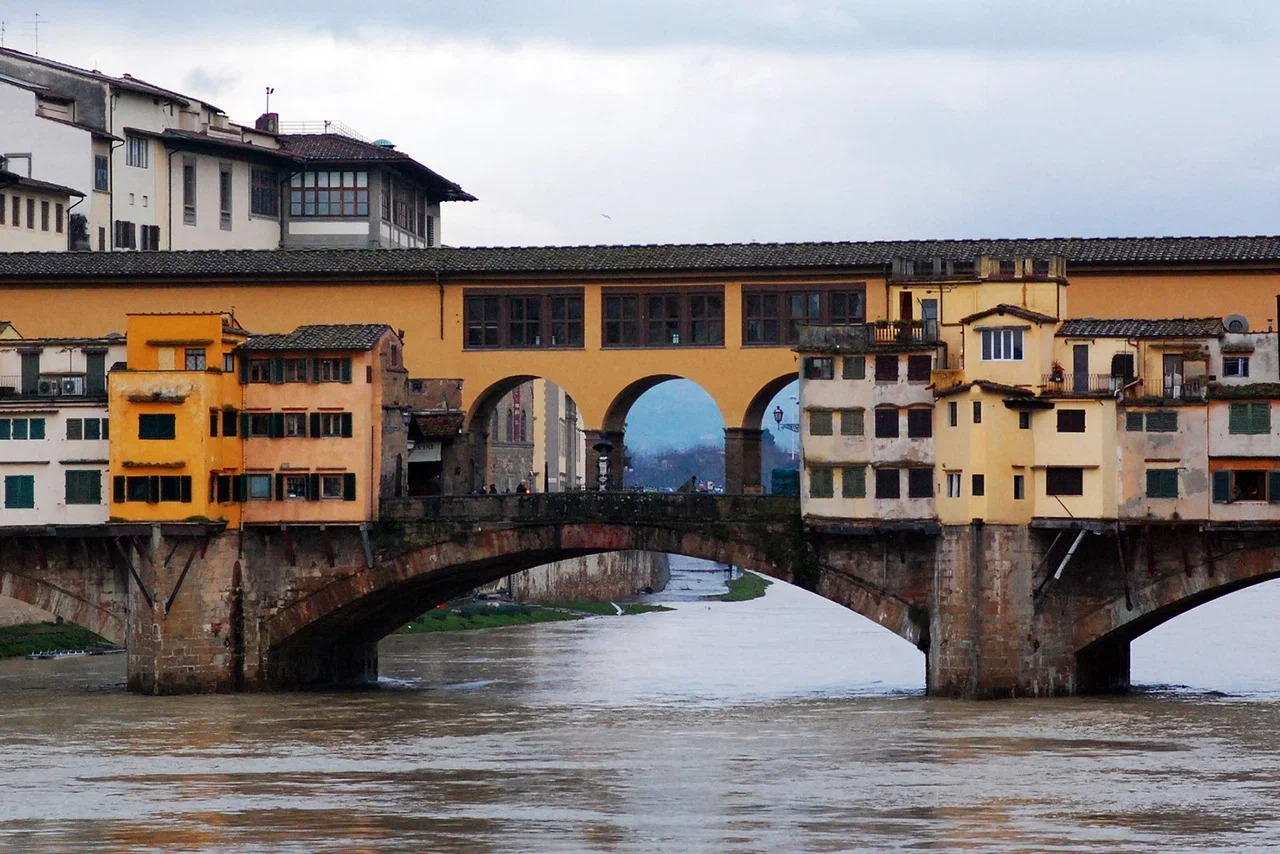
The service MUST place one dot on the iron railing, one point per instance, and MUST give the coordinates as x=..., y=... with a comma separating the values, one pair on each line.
x=906, y=331
x=1062, y=383
x=1194, y=389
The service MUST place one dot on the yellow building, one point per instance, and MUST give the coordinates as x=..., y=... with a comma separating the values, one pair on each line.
x=325, y=423
x=174, y=408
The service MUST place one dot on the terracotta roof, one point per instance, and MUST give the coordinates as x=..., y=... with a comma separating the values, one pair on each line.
x=985, y=385
x=335, y=336
x=13, y=179
x=1015, y=310
x=867, y=256
x=439, y=425
x=1090, y=327
x=333, y=147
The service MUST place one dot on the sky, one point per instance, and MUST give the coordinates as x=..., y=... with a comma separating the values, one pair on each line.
x=581, y=121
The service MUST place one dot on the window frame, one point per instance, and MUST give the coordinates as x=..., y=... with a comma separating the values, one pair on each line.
x=954, y=484
x=821, y=422
x=853, y=421
x=197, y=355
x=101, y=173
x=853, y=482
x=495, y=318
x=264, y=192
x=824, y=477
x=1072, y=421
x=311, y=189
x=190, y=183
x=1155, y=488
x=770, y=307
x=164, y=426
x=1241, y=364
x=1062, y=472
x=654, y=331
x=995, y=340
x=889, y=419
x=137, y=151
x=916, y=476
x=819, y=368
x=917, y=416
x=886, y=489
x=853, y=368
x=1251, y=412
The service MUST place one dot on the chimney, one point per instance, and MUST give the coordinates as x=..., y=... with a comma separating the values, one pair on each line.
x=268, y=123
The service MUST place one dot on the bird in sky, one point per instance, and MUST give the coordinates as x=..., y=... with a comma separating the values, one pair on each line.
x=606, y=216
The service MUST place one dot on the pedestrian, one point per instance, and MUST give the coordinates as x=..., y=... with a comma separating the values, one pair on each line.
x=493, y=489
x=522, y=489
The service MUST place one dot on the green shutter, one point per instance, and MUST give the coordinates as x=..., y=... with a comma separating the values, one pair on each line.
x=95, y=486
x=315, y=425
x=277, y=371
x=1238, y=418
x=37, y=428
x=1162, y=483
x=276, y=428
x=95, y=369
x=184, y=485
x=244, y=425
x=106, y=428
x=1273, y=486
x=854, y=368
x=346, y=425
x=4, y=428
x=279, y=487
x=19, y=492
x=346, y=370
x=1162, y=421
x=153, y=489
x=313, y=487
x=243, y=359
x=117, y=489
x=1222, y=487
x=315, y=370
x=349, y=487
x=1259, y=418
x=1133, y=422
x=853, y=483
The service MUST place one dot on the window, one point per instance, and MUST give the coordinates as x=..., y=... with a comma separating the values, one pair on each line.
x=331, y=486
x=854, y=368
x=228, y=363
x=333, y=370
x=257, y=424
x=150, y=237
x=1070, y=420
x=1250, y=418
x=888, y=484
x=706, y=319
x=977, y=412
x=339, y=425
x=83, y=487
x=19, y=492
x=1246, y=485
x=295, y=424
x=264, y=192
x=31, y=213
x=1162, y=483
x=1162, y=421
x=224, y=197
x=259, y=487
x=819, y=368
x=774, y=316
x=1235, y=366
x=953, y=413
x=431, y=231
x=1019, y=487
x=978, y=485
x=919, y=423
x=1060, y=480
x=1133, y=422
x=21, y=428
x=1002, y=344
x=17, y=211
x=851, y=422
x=195, y=358
x=296, y=370
x=75, y=429
x=953, y=484
x=887, y=422
x=101, y=173
x=136, y=151
x=523, y=321
x=214, y=421
x=229, y=419
x=126, y=235
x=3, y=209
x=886, y=369
x=820, y=422
x=821, y=483
x=329, y=194
x=295, y=486
x=57, y=218
x=44, y=216
x=259, y=370
x=1024, y=420
x=156, y=426
x=919, y=483
x=189, y=190
x=664, y=319
x=406, y=206
x=919, y=368
x=853, y=482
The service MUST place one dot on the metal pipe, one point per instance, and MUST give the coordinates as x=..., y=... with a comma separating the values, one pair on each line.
x=1067, y=557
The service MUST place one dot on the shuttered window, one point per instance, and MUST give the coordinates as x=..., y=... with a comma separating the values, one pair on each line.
x=821, y=483
x=853, y=482
x=888, y=483
x=1162, y=483
x=919, y=423
x=84, y=487
x=1133, y=422
x=851, y=422
x=886, y=369
x=1250, y=418
x=1070, y=420
x=1061, y=480
x=920, y=483
x=919, y=368
x=854, y=368
x=156, y=426
x=820, y=422
x=19, y=492
x=887, y=422
x=1162, y=421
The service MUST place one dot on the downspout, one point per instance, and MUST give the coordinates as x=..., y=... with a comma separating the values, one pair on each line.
x=168, y=162
x=440, y=288
x=68, y=224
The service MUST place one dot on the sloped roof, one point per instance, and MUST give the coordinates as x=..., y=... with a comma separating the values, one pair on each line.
x=126, y=82
x=1182, y=327
x=988, y=386
x=13, y=179
x=345, y=149
x=851, y=255
x=328, y=336
x=1015, y=310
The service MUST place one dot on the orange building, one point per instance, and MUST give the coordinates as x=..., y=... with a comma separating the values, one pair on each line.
x=325, y=423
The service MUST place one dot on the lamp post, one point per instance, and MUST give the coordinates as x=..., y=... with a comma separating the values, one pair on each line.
x=603, y=447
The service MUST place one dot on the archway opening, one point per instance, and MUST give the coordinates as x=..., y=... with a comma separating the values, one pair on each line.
x=673, y=434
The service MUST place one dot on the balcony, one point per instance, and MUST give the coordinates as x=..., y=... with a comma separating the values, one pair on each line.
x=905, y=332
x=1170, y=389
x=1086, y=384
x=50, y=386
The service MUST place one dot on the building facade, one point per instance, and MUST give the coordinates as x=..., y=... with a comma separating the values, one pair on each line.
x=34, y=215
x=54, y=428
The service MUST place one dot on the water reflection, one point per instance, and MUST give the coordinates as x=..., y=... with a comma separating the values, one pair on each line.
x=782, y=724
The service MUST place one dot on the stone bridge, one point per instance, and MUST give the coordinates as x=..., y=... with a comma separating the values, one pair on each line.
x=998, y=610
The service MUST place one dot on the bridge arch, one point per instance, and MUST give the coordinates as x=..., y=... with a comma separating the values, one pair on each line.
x=70, y=605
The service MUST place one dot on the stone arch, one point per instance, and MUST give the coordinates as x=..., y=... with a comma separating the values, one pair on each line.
x=64, y=603
x=615, y=418
x=328, y=633
x=757, y=409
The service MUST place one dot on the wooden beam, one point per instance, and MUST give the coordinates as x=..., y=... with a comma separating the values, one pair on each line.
x=1208, y=555
x=1182, y=546
x=142, y=588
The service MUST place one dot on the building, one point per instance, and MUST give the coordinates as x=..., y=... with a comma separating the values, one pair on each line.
x=560, y=447
x=175, y=415
x=165, y=170
x=325, y=423
x=867, y=420
x=34, y=215
x=437, y=424
x=54, y=427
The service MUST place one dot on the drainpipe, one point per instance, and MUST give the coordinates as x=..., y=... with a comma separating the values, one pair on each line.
x=168, y=163
x=440, y=288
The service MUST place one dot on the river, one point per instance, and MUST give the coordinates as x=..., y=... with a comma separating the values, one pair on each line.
x=781, y=724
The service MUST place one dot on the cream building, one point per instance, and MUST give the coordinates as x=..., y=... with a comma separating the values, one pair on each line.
x=34, y=214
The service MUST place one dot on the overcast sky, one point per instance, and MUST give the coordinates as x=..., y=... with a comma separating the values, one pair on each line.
x=721, y=120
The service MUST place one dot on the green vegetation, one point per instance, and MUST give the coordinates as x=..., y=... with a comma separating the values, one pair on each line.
x=748, y=586
x=47, y=637
x=478, y=616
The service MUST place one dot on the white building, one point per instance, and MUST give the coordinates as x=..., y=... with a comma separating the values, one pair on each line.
x=164, y=170
x=53, y=428
x=33, y=214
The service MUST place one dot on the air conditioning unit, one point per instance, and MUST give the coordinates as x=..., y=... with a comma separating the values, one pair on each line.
x=49, y=387
x=73, y=385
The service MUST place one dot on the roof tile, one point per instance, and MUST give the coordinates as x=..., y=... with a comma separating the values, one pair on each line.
x=1183, y=327
x=330, y=336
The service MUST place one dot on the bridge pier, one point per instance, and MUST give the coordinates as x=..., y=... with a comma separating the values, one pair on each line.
x=742, y=461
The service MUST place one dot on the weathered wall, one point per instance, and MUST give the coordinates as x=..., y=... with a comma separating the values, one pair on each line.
x=594, y=578
x=15, y=613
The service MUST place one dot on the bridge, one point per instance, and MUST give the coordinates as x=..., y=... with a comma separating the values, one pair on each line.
x=998, y=610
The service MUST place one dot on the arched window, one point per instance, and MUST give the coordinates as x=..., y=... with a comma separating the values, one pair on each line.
x=523, y=429
x=511, y=426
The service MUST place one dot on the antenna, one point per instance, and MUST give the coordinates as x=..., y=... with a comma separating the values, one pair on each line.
x=270, y=91
x=2, y=34
x=35, y=28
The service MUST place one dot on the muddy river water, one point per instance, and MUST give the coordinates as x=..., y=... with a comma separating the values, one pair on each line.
x=780, y=724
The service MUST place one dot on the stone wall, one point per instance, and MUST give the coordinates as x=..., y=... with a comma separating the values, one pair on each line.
x=594, y=578
x=15, y=613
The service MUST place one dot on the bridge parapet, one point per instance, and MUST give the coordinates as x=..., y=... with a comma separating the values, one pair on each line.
x=630, y=508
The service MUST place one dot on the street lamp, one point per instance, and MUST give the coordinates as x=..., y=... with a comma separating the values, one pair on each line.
x=777, y=415
x=603, y=447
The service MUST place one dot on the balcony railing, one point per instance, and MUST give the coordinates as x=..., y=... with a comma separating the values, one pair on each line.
x=49, y=386
x=1153, y=388
x=906, y=332
x=1194, y=389
x=1056, y=383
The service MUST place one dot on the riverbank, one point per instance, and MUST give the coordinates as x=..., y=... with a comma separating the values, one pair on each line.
x=745, y=587
x=29, y=638
x=482, y=616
